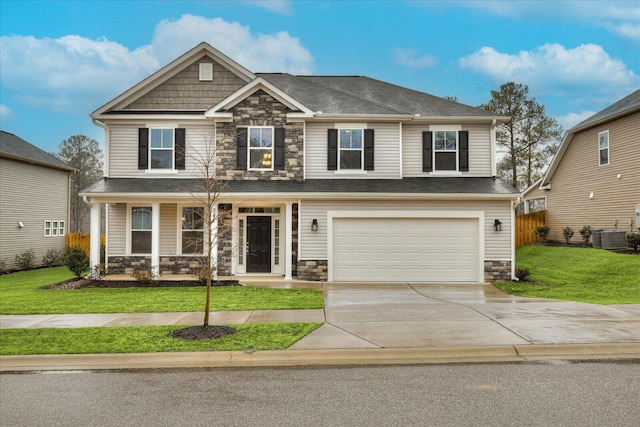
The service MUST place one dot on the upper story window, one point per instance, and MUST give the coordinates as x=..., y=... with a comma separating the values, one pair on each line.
x=54, y=228
x=445, y=150
x=603, y=142
x=350, y=148
x=261, y=148
x=161, y=149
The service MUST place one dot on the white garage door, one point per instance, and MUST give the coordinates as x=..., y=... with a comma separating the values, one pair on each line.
x=405, y=249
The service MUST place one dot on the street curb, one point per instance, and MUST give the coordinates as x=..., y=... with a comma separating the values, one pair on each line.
x=332, y=357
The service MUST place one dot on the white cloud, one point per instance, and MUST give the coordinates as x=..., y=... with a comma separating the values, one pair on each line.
x=409, y=58
x=76, y=74
x=554, y=70
x=5, y=113
x=619, y=17
x=570, y=120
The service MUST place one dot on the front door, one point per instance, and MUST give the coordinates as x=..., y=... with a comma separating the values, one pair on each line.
x=259, y=244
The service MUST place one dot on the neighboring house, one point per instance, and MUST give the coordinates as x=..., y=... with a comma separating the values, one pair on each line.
x=329, y=178
x=534, y=199
x=594, y=179
x=34, y=200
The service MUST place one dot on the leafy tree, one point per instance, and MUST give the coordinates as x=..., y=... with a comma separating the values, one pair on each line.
x=84, y=154
x=530, y=138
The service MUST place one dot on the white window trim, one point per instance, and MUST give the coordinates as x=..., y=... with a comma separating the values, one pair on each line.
x=608, y=149
x=172, y=169
x=340, y=149
x=60, y=229
x=272, y=148
x=47, y=230
x=434, y=151
x=130, y=206
x=179, y=228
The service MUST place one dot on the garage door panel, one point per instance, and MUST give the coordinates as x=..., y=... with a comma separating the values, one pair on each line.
x=405, y=249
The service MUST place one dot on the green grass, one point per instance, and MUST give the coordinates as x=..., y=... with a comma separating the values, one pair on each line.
x=20, y=294
x=147, y=339
x=578, y=274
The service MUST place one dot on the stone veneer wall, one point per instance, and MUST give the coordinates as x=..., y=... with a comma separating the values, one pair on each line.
x=260, y=109
x=225, y=242
x=313, y=270
x=497, y=270
x=168, y=264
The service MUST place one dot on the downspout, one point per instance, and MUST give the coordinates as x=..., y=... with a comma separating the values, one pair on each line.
x=493, y=148
x=105, y=166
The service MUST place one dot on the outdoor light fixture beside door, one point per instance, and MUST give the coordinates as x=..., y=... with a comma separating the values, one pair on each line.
x=314, y=225
x=497, y=225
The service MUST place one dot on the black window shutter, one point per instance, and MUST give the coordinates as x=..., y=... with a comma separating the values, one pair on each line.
x=463, y=152
x=180, y=148
x=332, y=149
x=368, y=149
x=143, y=148
x=427, y=157
x=241, y=151
x=278, y=148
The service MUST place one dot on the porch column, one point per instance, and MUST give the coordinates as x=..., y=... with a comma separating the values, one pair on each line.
x=94, y=240
x=155, y=240
x=288, y=239
x=214, y=241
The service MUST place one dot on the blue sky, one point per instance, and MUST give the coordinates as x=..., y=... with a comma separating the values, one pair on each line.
x=61, y=60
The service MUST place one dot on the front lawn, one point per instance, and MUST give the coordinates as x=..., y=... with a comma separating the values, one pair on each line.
x=577, y=274
x=20, y=293
x=147, y=339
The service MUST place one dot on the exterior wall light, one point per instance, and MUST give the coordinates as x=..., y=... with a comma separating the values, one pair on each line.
x=314, y=225
x=20, y=224
x=497, y=225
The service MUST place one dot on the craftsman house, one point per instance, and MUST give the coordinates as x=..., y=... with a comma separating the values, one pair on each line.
x=332, y=178
x=594, y=178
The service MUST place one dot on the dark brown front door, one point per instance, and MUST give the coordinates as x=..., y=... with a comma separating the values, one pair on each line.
x=259, y=244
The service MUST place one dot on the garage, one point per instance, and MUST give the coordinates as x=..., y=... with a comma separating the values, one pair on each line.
x=405, y=249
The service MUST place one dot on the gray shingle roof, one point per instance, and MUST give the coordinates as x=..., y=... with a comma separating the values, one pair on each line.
x=364, y=95
x=15, y=147
x=629, y=102
x=413, y=186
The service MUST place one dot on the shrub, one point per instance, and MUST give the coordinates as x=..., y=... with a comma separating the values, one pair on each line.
x=26, y=259
x=3, y=265
x=143, y=276
x=567, y=232
x=543, y=231
x=77, y=261
x=53, y=258
x=523, y=274
x=586, y=234
x=633, y=240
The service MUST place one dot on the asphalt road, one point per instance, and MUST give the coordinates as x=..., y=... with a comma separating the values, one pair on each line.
x=523, y=394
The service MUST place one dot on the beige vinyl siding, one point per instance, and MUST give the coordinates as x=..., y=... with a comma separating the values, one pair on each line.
x=168, y=229
x=31, y=194
x=579, y=174
x=185, y=91
x=386, y=152
x=313, y=244
x=123, y=150
x=479, y=150
x=117, y=230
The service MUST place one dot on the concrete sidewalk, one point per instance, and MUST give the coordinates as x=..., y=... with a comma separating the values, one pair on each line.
x=381, y=324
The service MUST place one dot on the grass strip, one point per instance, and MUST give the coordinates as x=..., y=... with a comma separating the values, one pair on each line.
x=147, y=339
x=21, y=294
x=577, y=274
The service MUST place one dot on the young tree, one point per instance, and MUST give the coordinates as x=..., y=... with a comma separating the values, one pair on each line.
x=84, y=154
x=530, y=137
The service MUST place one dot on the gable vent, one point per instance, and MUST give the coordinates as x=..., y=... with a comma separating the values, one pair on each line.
x=206, y=72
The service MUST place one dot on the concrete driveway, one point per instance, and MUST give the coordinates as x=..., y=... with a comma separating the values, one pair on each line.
x=412, y=315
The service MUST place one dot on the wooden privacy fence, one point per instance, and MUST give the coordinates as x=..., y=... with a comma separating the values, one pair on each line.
x=526, y=227
x=82, y=241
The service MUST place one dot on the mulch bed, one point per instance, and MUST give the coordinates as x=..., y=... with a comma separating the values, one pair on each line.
x=92, y=283
x=203, y=332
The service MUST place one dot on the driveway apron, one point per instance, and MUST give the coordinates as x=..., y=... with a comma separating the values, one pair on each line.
x=419, y=315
